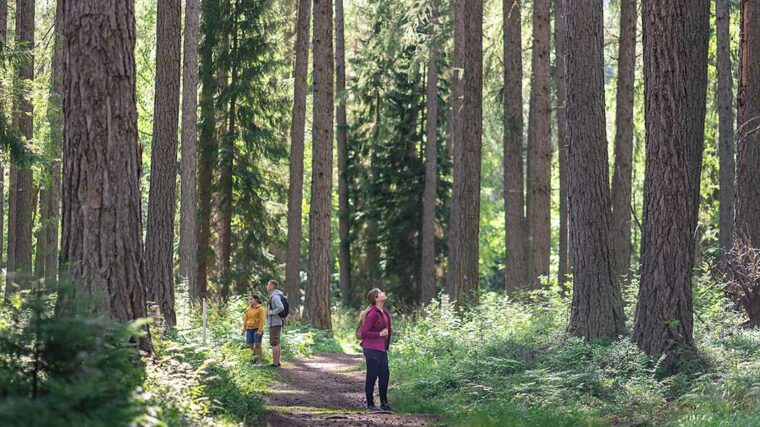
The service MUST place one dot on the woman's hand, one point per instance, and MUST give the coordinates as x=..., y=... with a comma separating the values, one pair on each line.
x=384, y=332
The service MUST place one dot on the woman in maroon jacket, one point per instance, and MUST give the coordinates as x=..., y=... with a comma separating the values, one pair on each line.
x=376, y=334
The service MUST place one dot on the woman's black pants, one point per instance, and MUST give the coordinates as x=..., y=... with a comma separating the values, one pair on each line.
x=377, y=369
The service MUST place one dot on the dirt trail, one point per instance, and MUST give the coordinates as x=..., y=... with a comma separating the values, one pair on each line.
x=328, y=390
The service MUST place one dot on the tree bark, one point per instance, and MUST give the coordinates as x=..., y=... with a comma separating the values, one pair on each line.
x=23, y=116
x=726, y=149
x=207, y=137
x=427, y=270
x=456, y=123
x=472, y=133
x=560, y=11
x=344, y=226
x=10, y=267
x=621, y=179
x=747, y=224
x=3, y=37
x=318, y=291
x=102, y=249
x=159, y=240
x=39, y=199
x=514, y=184
x=539, y=150
x=597, y=309
x=297, y=131
x=188, y=228
x=226, y=159
x=675, y=73
x=52, y=205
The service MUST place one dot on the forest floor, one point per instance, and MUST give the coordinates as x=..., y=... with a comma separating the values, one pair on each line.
x=328, y=390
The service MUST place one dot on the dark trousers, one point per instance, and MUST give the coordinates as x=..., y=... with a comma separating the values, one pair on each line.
x=377, y=369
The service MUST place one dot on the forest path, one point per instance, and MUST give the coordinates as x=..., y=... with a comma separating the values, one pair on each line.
x=327, y=390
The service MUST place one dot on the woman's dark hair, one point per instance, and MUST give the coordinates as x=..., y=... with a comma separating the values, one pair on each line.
x=372, y=294
x=254, y=296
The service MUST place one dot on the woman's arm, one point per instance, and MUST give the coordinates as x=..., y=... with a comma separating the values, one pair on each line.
x=367, y=325
x=262, y=320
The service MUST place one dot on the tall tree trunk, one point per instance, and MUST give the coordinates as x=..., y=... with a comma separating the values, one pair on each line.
x=318, y=292
x=3, y=36
x=344, y=251
x=466, y=282
x=514, y=182
x=188, y=227
x=726, y=150
x=621, y=178
x=427, y=270
x=297, y=131
x=747, y=224
x=226, y=158
x=52, y=205
x=561, y=87
x=207, y=137
x=597, y=309
x=10, y=267
x=456, y=123
x=675, y=73
x=39, y=216
x=159, y=236
x=24, y=120
x=539, y=149
x=102, y=246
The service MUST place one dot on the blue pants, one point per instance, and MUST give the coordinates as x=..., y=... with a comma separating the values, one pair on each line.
x=252, y=336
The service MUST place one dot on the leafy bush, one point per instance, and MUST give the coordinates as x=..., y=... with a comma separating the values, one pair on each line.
x=70, y=370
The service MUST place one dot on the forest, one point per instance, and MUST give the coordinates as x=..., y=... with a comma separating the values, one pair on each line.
x=560, y=200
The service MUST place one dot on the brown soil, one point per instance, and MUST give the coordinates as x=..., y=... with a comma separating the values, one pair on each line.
x=328, y=390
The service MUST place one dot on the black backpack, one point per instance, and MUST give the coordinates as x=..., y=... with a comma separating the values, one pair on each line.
x=285, y=307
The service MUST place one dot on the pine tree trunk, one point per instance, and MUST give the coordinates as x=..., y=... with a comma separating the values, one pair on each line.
x=621, y=177
x=747, y=224
x=52, y=205
x=514, y=182
x=297, y=131
x=675, y=73
x=539, y=149
x=188, y=234
x=3, y=36
x=101, y=248
x=427, y=270
x=456, y=122
x=726, y=149
x=226, y=158
x=597, y=309
x=40, y=198
x=318, y=290
x=159, y=236
x=207, y=146
x=344, y=251
x=561, y=109
x=10, y=269
x=24, y=121
x=466, y=282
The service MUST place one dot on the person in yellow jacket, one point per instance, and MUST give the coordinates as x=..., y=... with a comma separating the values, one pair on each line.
x=254, y=321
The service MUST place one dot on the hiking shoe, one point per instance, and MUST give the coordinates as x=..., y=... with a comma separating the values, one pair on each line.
x=254, y=361
x=274, y=366
x=373, y=409
x=386, y=407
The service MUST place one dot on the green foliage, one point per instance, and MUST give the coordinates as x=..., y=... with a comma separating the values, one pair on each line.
x=387, y=142
x=507, y=362
x=65, y=370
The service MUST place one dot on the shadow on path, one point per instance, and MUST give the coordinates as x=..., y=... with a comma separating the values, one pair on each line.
x=328, y=390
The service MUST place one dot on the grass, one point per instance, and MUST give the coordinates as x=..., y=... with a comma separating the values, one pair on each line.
x=509, y=362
